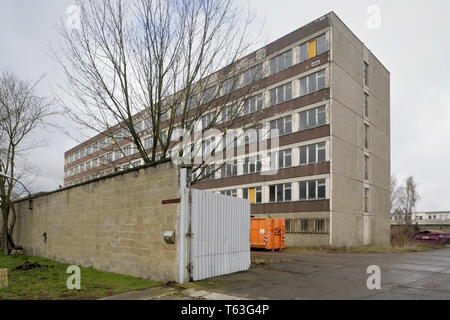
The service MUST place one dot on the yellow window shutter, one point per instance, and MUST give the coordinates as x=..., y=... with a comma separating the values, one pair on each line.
x=312, y=45
x=251, y=195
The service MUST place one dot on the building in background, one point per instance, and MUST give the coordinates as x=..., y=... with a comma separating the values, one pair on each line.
x=329, y=97
x=423, y=218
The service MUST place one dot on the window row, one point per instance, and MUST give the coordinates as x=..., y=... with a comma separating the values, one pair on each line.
x=283, y=159
x=279, y=193
x=307, y=225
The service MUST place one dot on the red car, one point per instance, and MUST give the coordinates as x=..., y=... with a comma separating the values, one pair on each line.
x=432, y=237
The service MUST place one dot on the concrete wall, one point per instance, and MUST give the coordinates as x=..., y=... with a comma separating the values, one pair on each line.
x=296, y=240
x=113, y=224
x=347, y=137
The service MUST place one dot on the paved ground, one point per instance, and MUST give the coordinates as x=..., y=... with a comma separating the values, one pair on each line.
x=306, y=276
x=293, y=275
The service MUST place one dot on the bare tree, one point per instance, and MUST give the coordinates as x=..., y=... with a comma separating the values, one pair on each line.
x=155, y=67
x=395, y=198
x=21, y=112
x=406, y=198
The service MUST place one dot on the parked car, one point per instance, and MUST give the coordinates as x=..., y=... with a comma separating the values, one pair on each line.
x=432, y=237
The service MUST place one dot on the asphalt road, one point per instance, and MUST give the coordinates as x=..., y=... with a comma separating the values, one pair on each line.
x=305, y=276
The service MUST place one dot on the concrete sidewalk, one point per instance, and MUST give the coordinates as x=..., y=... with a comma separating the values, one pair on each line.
x=172, y=293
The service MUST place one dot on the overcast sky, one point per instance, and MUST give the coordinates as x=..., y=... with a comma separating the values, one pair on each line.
x=412, y=42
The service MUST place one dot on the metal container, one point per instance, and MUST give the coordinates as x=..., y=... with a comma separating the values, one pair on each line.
x=268, y=234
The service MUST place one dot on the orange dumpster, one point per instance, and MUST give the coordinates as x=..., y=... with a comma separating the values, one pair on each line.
x=268, y=234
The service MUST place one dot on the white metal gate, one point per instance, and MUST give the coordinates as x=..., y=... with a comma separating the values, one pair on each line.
x=220, y=235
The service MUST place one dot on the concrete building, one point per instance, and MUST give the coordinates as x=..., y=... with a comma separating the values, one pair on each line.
x=423, y=218
x=330, y=99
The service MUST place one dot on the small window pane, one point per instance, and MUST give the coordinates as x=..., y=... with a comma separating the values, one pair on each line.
x=312, y=118
x=321, y=153
x=303, y=190
x=321, y=189
x=321, y=44
x=312, y=154
x=303, y=52
x=287, y=192
x=321, y=83
x=272, y=194
x=312, y=83
x=312, y=190
x=303, y=121
x=321, y=116
x=303, y=153
x=280, y=193
x=303, y=86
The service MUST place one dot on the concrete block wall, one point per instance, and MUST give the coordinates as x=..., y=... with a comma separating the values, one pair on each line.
x=347, y=120
x=114, y=224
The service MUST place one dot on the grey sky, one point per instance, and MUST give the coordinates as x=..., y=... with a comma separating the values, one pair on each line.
x=412, y=43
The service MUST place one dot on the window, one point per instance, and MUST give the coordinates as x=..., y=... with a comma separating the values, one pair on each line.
x=252, y=165
x=207, y=120
x=313, y=118
x=88, y=165
x=126, y=166
x=284, y=158
x=209, y=94
x=88, y=150
x=230, y=193
x=281, y=62
x=193, y=102
x=137, y=163
x=109, y=157
x=283, y=125
x=252, y=136
x=366, y=136
x=366, y=105
x=281, y=94
x=128, y=150
x=229, y=169
x=95, y=147
x=254, y=195
x=297, y=225
x=280, y=193
x=138, y=126
x=77, y=156
x=253, y=74
x=366, y=167
x=253, y=104
x=148, y=143
x=228, y=113
x=319, y=226
x=313, y=48
x=314, y=153
x=82, y=153
x=312, y=83
x=229, y=85
x=209, y=172
x=366, y=200
x=313, y=190
x=94, y=163
x=366, y=74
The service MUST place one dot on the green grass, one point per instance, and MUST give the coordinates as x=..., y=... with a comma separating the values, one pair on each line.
x=367, y=249
x=49, y=282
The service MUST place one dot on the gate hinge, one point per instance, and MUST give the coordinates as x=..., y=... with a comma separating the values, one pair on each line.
x=189, y=235
x=190, y=268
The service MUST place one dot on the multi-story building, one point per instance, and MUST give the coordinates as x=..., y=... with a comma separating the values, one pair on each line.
x=329, y=97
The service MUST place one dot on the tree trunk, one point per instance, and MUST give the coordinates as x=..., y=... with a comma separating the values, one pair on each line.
x=5, y=233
